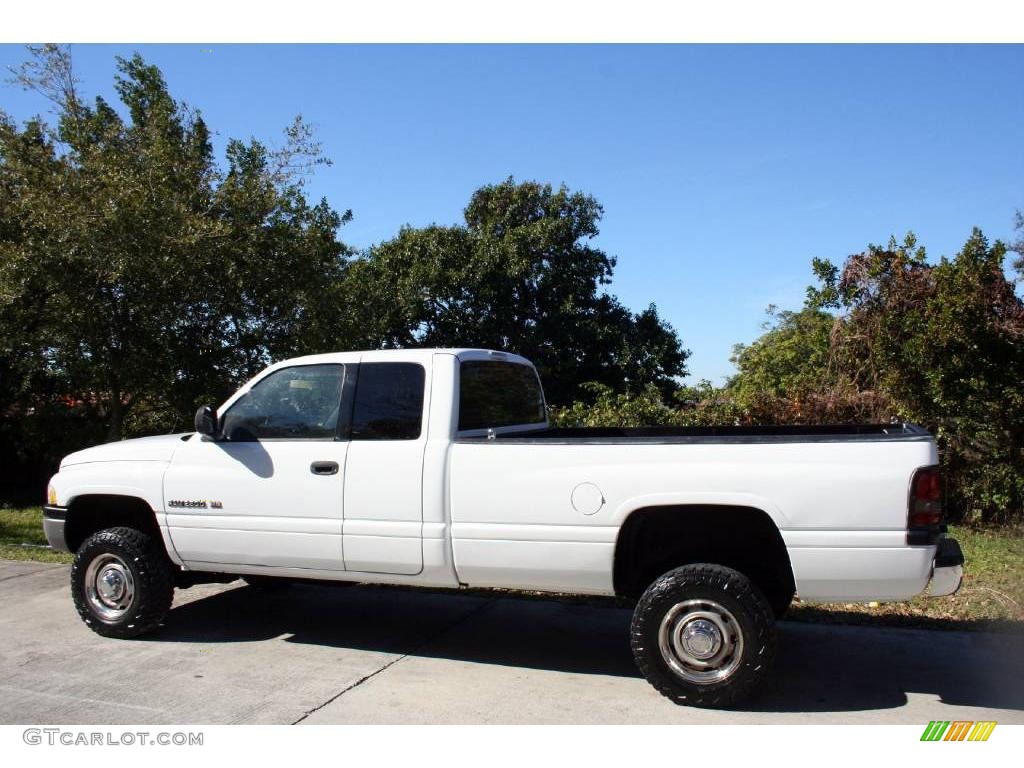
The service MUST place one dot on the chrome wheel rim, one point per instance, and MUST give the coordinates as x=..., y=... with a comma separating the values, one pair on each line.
x=109, y=587
x=701, y=641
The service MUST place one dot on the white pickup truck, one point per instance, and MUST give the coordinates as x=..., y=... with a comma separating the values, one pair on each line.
x=438, y=468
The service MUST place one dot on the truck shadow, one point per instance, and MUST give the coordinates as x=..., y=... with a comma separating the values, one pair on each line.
x=819, y=667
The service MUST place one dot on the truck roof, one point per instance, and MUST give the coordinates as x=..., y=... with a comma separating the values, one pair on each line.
x=415, y=355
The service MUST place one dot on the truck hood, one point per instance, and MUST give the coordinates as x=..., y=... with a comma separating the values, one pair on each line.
x=157, y=448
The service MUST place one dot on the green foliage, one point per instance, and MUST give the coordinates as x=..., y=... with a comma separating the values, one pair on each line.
x=700, y=405
x=791, y=358
x=606, y=408
x=519, y=275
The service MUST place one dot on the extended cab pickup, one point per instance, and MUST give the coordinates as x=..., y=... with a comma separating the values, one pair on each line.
x=438, y=468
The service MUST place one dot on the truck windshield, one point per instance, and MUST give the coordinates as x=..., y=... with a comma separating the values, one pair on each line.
x=493, y=393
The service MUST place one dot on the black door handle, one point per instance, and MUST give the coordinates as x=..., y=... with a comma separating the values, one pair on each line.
x=324, y=467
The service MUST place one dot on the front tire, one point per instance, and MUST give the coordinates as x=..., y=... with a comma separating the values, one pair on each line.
x=121, y=583
x=703, y=635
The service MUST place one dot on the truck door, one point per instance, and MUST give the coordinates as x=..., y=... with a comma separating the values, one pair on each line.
x=270, y=492
x=383, y=524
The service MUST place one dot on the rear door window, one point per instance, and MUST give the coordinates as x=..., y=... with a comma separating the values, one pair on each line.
x=388, y=402
x=494, y=393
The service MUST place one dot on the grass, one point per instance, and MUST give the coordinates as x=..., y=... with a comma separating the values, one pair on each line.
x=991, y=598
x=21, y=537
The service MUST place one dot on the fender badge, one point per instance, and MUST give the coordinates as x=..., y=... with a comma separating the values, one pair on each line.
x=187, y=504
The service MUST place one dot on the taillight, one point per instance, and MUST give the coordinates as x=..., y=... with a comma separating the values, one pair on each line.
x=924, y=517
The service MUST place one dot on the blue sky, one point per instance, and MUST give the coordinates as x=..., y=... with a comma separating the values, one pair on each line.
x=722, y=169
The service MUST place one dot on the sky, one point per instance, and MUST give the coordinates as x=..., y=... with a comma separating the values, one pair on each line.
x=723, y=170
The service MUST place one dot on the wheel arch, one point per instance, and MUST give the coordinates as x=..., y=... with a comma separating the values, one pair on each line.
x=653, y=539
x=88, y=513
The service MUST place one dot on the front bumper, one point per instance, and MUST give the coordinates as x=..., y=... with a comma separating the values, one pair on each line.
x=947, y=569
x=53, y=526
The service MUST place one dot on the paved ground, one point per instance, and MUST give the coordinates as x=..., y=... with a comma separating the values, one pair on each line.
x=311, y=654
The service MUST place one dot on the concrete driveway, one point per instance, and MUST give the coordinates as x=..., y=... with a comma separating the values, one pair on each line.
x=322, y=654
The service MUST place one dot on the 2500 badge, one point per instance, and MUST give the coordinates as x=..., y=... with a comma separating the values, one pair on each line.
x=180, y=504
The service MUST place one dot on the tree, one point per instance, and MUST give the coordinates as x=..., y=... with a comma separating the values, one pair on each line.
x=519, y=275
x=138, y=273
x=791, y=358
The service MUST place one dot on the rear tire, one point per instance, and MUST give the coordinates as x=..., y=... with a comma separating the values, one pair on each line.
x=703, y=635
x=121, y=582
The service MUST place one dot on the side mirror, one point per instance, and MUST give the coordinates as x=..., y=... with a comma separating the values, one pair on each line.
x=206, y=422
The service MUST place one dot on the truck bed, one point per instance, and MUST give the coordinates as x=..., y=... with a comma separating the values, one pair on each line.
x=542, y=509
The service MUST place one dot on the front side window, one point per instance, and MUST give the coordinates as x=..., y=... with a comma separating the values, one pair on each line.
x=388, y=402
x=300, y=402
x=493, y=394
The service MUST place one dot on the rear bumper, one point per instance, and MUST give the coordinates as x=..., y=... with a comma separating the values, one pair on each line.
x=53, y=526
x=947, y=570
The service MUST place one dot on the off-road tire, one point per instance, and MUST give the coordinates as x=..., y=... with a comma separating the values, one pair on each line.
x=151, y=573
x=753, y=619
